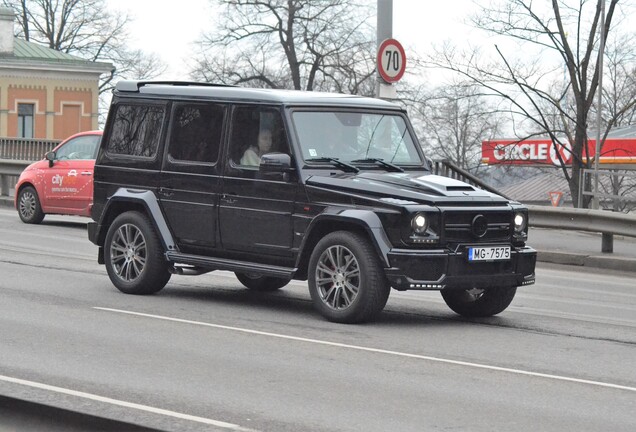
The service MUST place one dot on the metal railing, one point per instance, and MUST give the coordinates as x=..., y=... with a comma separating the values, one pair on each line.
x=16, y=154
x=25, y=148
x=608, y=223
x=617, y=187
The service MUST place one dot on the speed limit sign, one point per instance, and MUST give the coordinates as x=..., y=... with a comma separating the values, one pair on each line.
x=391, y=60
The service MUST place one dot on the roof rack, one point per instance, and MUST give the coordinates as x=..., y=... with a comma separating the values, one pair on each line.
x=134, y=86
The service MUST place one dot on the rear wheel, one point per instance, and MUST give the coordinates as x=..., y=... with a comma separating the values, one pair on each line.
x=261, y=283
x=479, y=302
x=133, y=255
x=346, y=280
x=29, y=207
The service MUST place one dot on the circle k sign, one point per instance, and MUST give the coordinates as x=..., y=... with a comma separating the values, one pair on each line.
x=528, y=152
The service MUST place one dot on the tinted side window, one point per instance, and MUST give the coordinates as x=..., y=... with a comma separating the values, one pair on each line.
x=136, y=130
x=196, y=132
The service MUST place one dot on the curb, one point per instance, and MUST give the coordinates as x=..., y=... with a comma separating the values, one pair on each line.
x=20, y=414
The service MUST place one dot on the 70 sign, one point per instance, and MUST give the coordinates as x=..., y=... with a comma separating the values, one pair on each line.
x=391, y=61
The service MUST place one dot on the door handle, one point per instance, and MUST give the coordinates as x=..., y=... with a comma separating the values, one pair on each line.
x=229, y=198
x=165, y=192
x=87, y=173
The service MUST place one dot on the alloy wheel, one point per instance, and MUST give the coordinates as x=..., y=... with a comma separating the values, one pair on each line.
x=128, y=252
x=338, y=277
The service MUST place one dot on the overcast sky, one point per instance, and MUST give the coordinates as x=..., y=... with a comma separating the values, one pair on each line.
x=171, y=31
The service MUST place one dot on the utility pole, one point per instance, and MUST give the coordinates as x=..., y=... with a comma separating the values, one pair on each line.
x=384, y=14
x=597, y=156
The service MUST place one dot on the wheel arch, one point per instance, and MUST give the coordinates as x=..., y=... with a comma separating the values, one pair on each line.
x=364, y=222
x=144, y=202
x=19, y=188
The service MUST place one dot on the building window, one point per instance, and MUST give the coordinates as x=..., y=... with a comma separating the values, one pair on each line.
x=25, y=120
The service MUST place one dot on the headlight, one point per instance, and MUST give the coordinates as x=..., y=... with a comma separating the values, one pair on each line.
x=520, y=222
x=419, y=223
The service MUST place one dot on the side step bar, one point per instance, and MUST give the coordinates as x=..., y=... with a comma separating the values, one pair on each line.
x=230, y=265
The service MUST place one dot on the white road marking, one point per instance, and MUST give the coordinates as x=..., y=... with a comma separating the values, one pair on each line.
x=376, y=350
x=125, y=404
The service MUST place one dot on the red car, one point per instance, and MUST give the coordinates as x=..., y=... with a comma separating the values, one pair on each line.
x=62, y=183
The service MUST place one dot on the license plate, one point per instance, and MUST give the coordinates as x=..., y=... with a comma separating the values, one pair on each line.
x=489, y=253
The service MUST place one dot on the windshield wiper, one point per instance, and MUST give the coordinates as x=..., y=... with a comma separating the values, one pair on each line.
x=381, y=162
x=335, y=162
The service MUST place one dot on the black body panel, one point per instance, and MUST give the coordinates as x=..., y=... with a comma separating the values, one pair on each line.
x=215, y=213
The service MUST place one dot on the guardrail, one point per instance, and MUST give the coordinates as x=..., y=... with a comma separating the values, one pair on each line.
x=9, y=172
x=607, y=223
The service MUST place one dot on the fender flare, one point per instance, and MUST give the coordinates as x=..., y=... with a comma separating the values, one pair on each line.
x=149, y=201
x=366, y=219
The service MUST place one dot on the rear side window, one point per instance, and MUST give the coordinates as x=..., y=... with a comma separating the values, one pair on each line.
x=136, y=130
x=196, y=132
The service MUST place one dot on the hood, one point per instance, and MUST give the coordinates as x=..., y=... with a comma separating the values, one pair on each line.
x=414, y=188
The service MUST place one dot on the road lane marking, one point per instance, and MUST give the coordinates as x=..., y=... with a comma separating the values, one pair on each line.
x=374, y=350
x=69, y=392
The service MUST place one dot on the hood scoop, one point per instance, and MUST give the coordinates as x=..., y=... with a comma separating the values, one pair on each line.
x=466, y=188
x=444, y=184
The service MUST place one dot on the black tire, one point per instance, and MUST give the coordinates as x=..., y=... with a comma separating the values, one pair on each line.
x=261, y=283
x=346, y=280
x=478, y=302
x=29, y=207
x=134, y=256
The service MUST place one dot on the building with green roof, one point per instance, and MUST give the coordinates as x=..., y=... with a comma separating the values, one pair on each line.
x=44, y=93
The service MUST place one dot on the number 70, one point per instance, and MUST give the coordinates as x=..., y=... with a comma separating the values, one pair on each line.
x=392, y=60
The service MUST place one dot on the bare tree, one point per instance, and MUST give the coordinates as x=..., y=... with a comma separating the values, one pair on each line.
x=88, y=29
x=298, y=44
x=453, y=121
x=567, y=31
x=619, y=88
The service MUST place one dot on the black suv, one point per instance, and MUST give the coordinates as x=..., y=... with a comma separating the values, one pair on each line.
x=277, y=185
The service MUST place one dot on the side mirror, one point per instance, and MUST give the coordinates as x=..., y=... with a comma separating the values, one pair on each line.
x=275, y=163
x=50, y=156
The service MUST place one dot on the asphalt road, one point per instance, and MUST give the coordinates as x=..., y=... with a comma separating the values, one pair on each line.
x=207, y=354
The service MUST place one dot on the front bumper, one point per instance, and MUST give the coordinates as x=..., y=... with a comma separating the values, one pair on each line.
x=438, y=269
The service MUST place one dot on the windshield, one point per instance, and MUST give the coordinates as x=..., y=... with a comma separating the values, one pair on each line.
x=355, y=136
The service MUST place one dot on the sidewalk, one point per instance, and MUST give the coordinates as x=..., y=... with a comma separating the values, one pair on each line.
x=574, y=248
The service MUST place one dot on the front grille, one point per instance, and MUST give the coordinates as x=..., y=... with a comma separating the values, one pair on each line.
x=466, y=226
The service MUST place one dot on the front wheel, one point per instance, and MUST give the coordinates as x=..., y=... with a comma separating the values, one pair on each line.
x=479, y=302
x=133, y=255
x=29, y=207
x=346, y=280
x=261, y=283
